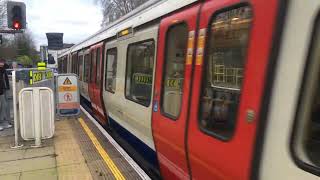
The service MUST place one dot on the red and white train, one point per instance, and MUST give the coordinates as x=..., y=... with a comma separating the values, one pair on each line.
x=211, y=89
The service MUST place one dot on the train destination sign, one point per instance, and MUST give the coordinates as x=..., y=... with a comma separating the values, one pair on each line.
x=68, y=98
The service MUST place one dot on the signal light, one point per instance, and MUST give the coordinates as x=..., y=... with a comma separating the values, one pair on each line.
x=16, y=14
x=16, y=25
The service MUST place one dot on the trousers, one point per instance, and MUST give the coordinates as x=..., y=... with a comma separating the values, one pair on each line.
x=4, y=109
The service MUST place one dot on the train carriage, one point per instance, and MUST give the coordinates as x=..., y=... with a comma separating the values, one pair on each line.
x=212, y=89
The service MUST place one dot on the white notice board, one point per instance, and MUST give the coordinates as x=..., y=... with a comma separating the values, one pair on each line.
x=68, y=98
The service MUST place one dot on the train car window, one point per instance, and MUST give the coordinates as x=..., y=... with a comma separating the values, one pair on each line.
x=98, y=71
x=76, y=65
x=59, y=65
x=73, y=59
x=111, y=70
x=139, y=72
x=305, y=141
x=175, y=57
x=224, y=65
x=80, y=68
x=65, y=65
x=93, y=66
x=86, y=68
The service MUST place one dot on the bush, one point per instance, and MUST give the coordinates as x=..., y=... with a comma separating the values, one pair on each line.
x=25, y=60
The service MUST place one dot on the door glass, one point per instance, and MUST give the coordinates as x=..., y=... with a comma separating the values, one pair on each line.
x=111, y=70
x=139, y=76
x=175, y=57
x=87, y=68
x=98, y=75
x=223, y=74
x=80, y=68
x=93, y=66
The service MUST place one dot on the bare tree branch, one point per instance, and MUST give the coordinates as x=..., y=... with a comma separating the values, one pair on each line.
x=114, y=9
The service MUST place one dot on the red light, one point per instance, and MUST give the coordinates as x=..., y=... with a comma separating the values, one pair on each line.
x=16, y=25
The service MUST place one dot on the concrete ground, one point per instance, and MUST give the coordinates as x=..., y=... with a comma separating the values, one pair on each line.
x=78, y=151
x=58, y=158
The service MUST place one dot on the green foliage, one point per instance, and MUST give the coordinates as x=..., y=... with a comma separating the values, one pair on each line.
x=25, y=60
x=18, y=47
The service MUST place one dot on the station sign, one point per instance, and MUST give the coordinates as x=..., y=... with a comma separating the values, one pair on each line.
x=68, y=97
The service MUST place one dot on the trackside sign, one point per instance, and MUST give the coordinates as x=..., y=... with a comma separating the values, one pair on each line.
x=68, y=98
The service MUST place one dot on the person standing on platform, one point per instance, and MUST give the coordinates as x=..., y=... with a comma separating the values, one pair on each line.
x=4, y=106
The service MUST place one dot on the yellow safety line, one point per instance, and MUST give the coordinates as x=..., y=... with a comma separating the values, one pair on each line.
x=115, y=171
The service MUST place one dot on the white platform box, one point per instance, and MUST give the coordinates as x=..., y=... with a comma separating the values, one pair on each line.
x=37, y=113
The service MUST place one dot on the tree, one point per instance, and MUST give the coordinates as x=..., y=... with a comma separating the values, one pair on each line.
x=18, y=45
x=25, y=60
x=114, y=9
x=2, y=14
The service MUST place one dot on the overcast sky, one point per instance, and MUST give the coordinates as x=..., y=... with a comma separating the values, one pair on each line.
x=77, y=19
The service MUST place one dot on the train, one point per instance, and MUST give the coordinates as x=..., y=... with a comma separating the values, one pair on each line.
x=208, y=89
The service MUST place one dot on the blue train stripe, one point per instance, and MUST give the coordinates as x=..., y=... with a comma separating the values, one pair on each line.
x=143, y=149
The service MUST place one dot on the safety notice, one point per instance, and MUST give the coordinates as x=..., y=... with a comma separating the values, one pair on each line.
x=68, y=95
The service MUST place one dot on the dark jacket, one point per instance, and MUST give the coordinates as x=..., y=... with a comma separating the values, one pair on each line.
x=4, y=80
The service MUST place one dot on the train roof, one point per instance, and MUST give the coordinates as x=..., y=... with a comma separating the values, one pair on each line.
x=147, y=12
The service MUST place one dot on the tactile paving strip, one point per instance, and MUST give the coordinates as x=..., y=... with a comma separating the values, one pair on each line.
x=97, y=167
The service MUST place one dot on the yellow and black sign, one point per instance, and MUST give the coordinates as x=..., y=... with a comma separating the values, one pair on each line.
x=67, y=88
x=142, y=79
x=125, y=32
x=174, y=82
x=67, y=82
x=42, y=66
x=37, y=76
x=49, y=74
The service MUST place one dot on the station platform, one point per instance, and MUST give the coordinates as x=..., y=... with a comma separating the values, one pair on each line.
x=79, y=150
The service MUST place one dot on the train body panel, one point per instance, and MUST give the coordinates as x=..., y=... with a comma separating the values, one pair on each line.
x=289, y=150
x=125, y=110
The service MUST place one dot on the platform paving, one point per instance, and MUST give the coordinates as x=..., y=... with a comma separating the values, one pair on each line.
x=69, y=155
x=58, y=158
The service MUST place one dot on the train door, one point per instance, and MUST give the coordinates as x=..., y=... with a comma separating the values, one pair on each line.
x=172, y=91
x=96, y=82
x=234, y=43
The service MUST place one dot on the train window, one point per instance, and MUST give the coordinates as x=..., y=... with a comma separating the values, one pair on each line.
x=98, y=74
x=73, y=60
x=111, y=70
x=139, y=72
x=176, y=48
x=305, y=143
x=86, y=68
x=77, y=65
x=93, y=66
x=224, y=62
x=80, y=68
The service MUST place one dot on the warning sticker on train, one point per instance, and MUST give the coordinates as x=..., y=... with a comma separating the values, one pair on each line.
x=68, y=98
